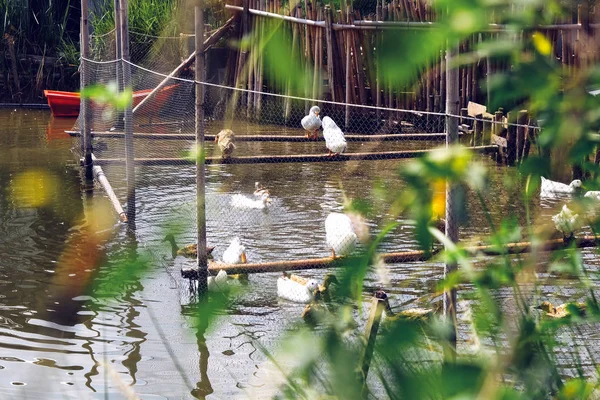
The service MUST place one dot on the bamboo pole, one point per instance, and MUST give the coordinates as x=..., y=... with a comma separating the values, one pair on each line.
x=98, y=174
x=512, y=144
x=202, y=260
x=119, y=56
x=209, y=42
x=288, y=101
x=85, y=102
x=399, y=257
x=378, y=61
x=292, y=158
x=452, y=108
x=521, y=132
x=416, y=24
x=330, y=52
x=348, y=74
x=377, y=307
x=128, y=116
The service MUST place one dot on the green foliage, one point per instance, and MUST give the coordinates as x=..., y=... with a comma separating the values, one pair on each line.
x=109, y=94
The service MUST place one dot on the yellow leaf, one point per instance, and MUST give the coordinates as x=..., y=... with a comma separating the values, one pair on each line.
x=541, y=43
x=33, y=188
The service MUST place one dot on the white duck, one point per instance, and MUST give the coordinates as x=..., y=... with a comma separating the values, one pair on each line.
x=566, y=222
x=550, y=188
x=260, y=189
x=235, y=253
x=241, y=201
x=217, y=283
x=334, y=137
x=312, y=122
x=339, y=234
x=593, y=194
x=295, y=291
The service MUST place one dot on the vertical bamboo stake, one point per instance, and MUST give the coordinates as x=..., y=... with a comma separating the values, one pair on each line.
x=128, y=120
x=330, y=52
x=317, y=61
x=378, y=73
x=288, y=101
x=306, y=48
x=526, y=132
x=377, y=307
x=511, y=142
x=85, y=102
x=348, y=73
x=452, y=108
x=251, y=70
x=202, y=262
x=521, y=120
x=119, y=54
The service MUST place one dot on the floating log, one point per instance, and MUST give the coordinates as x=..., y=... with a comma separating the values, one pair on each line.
x=400, y=257
x=275, y=138
x=292, y=158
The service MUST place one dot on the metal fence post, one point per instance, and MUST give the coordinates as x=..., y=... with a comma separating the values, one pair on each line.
x=200, y=170
x=452, y=109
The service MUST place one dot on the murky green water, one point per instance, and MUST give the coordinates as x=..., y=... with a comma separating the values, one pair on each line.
x=58, y=342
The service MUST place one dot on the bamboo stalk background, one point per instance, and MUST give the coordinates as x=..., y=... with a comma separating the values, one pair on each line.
x=322, y=43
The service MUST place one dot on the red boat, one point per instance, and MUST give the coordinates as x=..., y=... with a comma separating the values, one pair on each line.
x=66, y=104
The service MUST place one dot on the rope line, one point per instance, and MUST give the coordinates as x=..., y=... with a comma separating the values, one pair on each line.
x=336, y=103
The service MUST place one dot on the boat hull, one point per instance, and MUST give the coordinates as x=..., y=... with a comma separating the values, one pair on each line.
x=67, y=104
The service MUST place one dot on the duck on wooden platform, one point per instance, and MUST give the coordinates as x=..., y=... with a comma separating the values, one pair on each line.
x=260, y=190
x=312, y=123
x=339, y=234
x=292, y=290
x=235, y=253
x=566, y=222
x=190, y=250
x=334, y=137
x=411, y=314
x=225, y=141
x=562, y=310
x=550, y=188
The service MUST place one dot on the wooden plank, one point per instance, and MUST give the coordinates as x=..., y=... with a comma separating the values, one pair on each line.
x=398, y=257
x=274, y=138
x=474, y=109
x=292, y=158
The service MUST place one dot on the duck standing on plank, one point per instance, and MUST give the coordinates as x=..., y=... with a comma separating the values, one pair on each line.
x=190, y=250
x=312, y=123
x=225, y=140
x=235, y=253
x=339, y=234
x=334, y=137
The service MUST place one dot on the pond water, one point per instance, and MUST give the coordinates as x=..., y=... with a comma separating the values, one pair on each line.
x=57, y=341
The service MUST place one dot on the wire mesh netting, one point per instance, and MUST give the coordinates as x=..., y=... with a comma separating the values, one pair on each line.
x=275, y=195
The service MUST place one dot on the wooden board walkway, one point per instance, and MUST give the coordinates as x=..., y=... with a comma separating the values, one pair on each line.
x=400, y=257
x=292, y=158
x=273, y=138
